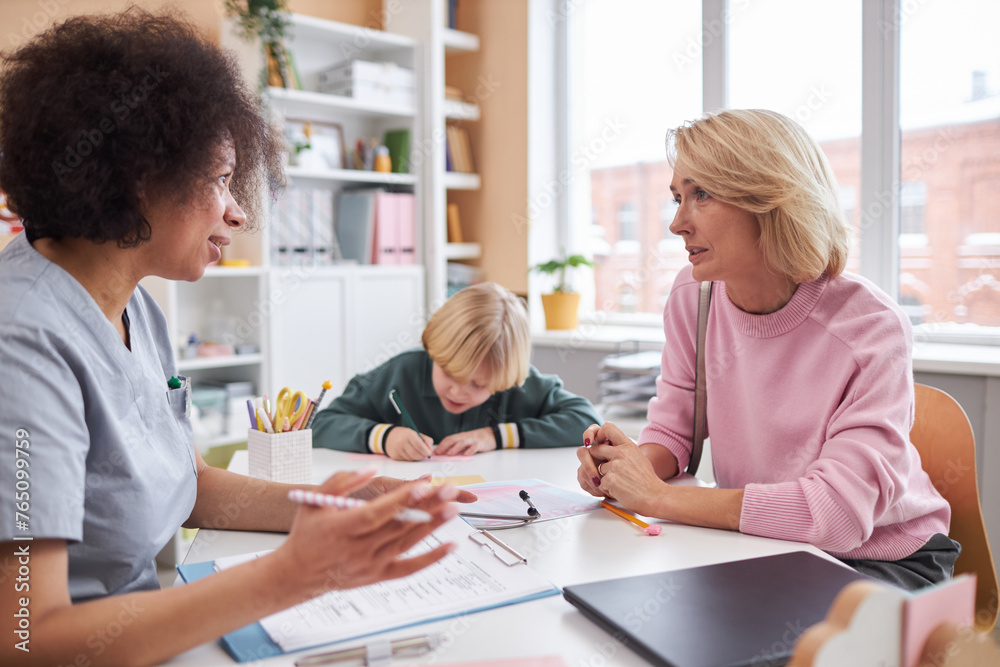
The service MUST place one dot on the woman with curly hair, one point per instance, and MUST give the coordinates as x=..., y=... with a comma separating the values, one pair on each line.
x=126, y=143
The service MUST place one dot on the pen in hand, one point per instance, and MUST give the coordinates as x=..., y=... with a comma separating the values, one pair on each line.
x=303, y=497
x=401, y=409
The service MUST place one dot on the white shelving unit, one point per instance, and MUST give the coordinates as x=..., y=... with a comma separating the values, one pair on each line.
x=426, y=21
x=308, y=324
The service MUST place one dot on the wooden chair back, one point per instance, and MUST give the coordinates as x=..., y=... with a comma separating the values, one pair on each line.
x=943, y=436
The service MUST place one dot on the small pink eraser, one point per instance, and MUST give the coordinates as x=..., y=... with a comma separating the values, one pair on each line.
x=653, y=530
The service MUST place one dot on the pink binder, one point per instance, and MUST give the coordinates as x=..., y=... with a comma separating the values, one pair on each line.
x=407, y=250
x=386, y=247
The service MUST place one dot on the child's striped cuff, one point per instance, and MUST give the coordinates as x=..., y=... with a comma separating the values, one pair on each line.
x=508, y=435
x=377, y=436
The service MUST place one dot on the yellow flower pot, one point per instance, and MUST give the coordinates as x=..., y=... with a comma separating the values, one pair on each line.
x=561, y=310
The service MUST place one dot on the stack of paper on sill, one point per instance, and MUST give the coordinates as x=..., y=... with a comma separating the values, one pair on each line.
x=468, y=580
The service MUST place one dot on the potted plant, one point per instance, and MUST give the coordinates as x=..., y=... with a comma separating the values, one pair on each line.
x=268, y=21
x=562, y=305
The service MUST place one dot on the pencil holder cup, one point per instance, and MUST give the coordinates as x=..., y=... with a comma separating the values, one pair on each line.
x=281, y=457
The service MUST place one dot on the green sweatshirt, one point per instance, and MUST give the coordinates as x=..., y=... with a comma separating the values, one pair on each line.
x=540, y=413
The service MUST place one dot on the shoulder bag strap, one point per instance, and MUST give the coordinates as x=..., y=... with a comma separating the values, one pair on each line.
x=700, y=392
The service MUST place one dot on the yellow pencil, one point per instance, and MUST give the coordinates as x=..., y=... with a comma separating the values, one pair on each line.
x=646, y=528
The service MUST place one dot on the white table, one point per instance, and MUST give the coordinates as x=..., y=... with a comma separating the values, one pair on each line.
x=579, y=549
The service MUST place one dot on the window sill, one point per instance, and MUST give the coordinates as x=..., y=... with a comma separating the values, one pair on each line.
x=946, y=358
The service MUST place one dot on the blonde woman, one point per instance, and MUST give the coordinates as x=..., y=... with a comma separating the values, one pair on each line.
x=469, y=389
x=810, y=390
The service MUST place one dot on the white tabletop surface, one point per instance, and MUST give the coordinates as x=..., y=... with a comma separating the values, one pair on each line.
x=590, y=547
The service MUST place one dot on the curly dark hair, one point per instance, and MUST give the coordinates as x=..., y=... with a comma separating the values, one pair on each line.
x=99, y=107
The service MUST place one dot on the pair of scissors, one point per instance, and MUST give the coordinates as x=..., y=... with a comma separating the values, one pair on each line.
x=289, y=405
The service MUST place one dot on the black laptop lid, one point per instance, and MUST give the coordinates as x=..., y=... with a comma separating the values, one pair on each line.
x=748, y=612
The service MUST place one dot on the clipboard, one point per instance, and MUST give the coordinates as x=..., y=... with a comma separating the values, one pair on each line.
x=252, y=642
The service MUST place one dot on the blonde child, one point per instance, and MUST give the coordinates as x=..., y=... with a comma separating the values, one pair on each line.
x=469, y=389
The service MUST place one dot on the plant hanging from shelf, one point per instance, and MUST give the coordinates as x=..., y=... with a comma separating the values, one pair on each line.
x=267, y=20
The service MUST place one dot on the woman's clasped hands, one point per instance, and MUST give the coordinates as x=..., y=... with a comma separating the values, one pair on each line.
x=612, y=465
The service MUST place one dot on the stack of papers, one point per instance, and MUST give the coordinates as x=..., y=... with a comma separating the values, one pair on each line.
x=470, y=579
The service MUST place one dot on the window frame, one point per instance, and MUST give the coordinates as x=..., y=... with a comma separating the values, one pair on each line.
x=879, y=195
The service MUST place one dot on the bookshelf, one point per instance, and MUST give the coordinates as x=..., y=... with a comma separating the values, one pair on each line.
x=426, y=21
x=301, y=325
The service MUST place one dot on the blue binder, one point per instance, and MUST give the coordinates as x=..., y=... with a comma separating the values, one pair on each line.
x=251, y=642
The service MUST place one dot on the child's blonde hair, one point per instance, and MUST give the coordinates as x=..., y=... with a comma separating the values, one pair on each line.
x=765, y=163
x=483, y=323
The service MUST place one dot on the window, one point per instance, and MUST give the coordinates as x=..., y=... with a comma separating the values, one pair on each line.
x=949, y=197
x=912, y=201
x=645, y=75
x=627, y=300
x=628, y=223
x=634, y=74
x=668, y=209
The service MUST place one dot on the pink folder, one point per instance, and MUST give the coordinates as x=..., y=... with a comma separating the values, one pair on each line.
x=407, y=250
x=386, y=247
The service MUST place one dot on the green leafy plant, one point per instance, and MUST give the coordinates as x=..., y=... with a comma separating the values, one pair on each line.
x=267, y=19
x=559, y=266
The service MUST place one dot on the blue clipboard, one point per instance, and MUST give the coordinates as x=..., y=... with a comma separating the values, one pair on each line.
x=251, y=642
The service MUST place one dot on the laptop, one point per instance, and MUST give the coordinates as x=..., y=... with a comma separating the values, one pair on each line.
x=738, y=614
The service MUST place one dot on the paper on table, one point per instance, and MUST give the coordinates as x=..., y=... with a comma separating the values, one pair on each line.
x=552, y=502
x=470, y=579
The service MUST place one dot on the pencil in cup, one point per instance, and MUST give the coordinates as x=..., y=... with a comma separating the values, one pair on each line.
x=646, y=528
x=303, y=497
x=315, y=404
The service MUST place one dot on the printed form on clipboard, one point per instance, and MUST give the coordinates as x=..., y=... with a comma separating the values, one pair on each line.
x=502, y=498
x=475, y=577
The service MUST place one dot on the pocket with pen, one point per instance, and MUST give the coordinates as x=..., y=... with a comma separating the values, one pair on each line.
x=280, y=457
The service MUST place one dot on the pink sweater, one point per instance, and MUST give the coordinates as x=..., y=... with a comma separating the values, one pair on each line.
x=809, y=410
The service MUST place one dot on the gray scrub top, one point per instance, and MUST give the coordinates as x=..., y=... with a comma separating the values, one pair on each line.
x=111, y=464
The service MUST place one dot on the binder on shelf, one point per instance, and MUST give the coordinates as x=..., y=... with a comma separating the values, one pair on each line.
x=355, y=224
x=407, y=228
x=387, y=229
x=479, y=575
x=377, y=227
x=326, y=250
x=303, y=234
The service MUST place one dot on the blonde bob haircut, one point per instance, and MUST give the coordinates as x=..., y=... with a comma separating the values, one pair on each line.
x=483, y=323
x=766, y=164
